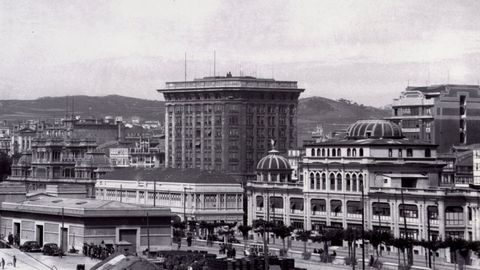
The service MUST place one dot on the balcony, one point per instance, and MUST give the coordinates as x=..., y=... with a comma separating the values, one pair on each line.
x=354, y=216
x=296, y=211
x=434, y=222
x=319, y=213
x=337, y=215
x=382, y=218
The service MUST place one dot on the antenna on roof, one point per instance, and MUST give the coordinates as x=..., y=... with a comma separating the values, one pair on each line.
x=66, y=107
x=73, y=107
x=185, y=67
x=214, y=63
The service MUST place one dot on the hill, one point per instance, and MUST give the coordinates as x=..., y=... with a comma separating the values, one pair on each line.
x=332, y=115
x=85, y=106
x=312, y=111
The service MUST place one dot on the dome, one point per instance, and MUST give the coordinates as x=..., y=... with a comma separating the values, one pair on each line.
x=273, y=162
x=376, y=129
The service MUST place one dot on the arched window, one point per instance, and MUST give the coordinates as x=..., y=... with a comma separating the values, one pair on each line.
x=360, y=152
x=347, y=182
x=324, y=181
x=328, y=152
x=339, y=182
x=349, y=152
x=317, y=181
x=333, y=153
x=323, y=152
x=332, y=181
x=354, y=183
x=313, y=152
x=360, y=182
x=318, y=152
x=339, y=152
x=354, y=152
x=312, y=181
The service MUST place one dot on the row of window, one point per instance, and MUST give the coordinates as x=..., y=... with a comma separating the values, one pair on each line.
x=353, y=182
x=332, y=152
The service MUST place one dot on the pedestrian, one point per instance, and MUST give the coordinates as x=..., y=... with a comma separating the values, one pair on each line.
x=3, y=263
x=14, y=261
x=10, y=238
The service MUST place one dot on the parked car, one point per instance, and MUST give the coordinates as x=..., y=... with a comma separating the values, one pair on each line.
x=31, y=246
x=52, y=249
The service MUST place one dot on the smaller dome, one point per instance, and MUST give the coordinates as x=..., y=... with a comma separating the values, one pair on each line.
x=273, y=162
x=375, y=129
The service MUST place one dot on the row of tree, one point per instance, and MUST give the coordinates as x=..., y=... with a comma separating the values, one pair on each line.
x=459, y=248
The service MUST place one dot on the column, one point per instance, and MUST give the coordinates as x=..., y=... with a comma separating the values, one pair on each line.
x=307, y=213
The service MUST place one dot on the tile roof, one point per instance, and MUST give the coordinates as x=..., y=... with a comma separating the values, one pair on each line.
x=191, y=175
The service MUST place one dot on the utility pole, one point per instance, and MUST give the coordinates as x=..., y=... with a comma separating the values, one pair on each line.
x=363, y=226
x=61, y=231
x=148, y=234
x=404, y=224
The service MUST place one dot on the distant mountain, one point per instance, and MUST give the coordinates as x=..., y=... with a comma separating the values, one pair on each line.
x=312, y=111
x=332, y=115
x=85, y=106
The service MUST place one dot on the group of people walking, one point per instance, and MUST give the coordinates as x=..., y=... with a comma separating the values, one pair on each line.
x=101, y=251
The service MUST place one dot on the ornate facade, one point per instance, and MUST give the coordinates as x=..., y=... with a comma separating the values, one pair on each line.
x=395, y=180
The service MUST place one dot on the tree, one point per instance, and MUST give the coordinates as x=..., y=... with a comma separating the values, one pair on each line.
x=401, y=244
x=304, y=236
x=283, y=232
x=351, y=235
x=327, y=236
x=5, y=166
x=244, y=229
x=376, y=238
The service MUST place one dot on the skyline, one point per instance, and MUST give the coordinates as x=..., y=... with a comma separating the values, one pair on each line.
x=336, y=49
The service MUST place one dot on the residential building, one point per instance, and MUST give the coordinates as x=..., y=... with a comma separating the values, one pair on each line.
x=191, y=194
x=447, y=115
x=226, y=123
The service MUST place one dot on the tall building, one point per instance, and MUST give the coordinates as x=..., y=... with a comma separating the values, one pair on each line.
x=227, y=123
x=447, y=115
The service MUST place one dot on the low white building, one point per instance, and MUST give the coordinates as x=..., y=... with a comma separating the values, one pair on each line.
x=190, y=193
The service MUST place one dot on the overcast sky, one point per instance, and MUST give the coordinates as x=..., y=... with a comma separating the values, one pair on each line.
x=366, y=51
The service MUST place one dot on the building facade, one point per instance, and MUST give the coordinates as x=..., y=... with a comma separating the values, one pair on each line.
x=226, y=123
x=395, y=179
x=446, y=115
x=191, y=194
x=71, y=222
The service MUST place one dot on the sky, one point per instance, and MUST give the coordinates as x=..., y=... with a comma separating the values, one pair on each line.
x=365, y=51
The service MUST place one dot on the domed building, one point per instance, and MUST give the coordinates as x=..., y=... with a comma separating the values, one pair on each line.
x=375, y=129
x=274, y=168
x=274, y=196
x=373, y=160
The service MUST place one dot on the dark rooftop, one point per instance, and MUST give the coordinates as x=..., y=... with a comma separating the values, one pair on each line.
x=191, y=175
